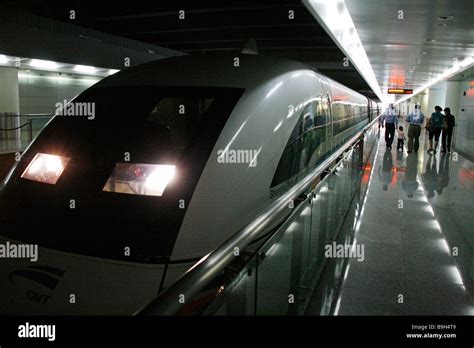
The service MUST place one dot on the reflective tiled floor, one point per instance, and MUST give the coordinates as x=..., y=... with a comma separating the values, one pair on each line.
x=418, y=230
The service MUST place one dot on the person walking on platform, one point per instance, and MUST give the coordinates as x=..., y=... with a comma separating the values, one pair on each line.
x=400, y=138
x=434, y=127
x=448, y=132
x=415, y=119
x=390, y=121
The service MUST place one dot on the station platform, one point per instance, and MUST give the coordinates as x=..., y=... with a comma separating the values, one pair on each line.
x=417, y=229
x=411, y=213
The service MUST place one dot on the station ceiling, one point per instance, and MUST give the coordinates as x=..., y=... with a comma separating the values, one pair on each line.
x=283, y=28
x=410, y=43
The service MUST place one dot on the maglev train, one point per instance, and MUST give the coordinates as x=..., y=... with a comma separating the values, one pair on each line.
x=150, y=169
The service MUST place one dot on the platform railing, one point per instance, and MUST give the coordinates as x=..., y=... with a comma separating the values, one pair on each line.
x=18, y=130
x=265, y=287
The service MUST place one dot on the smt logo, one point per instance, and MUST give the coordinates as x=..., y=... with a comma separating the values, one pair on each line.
x=37, y=331
x=47, y=277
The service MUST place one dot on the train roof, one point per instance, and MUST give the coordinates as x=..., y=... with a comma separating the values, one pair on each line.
x=204, y=70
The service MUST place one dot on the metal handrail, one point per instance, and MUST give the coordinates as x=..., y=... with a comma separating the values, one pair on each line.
x=29, y=122
x=205, y=270
x=15, y=128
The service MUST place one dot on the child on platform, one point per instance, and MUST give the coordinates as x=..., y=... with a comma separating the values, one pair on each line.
x=401, y=138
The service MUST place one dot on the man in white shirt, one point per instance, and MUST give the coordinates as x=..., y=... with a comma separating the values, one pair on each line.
x=415, y=119
x=390, y=121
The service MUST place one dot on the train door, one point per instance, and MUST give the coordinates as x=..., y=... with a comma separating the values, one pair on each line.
x=325, y=105
x=369, y=110
x=326, y=102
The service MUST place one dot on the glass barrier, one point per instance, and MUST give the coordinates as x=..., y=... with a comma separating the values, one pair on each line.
x=283, y=260
x=297, y=269
x=18, y=131
x=239, y=296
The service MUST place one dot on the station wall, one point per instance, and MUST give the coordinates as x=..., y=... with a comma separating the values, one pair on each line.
x=465, y=117
x=40, y=92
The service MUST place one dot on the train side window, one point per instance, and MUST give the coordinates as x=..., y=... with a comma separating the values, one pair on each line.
x=325, y=109
x=308, y=118
x=338, y=115
x=290, y=159
x=304, y=146
x=321, y=113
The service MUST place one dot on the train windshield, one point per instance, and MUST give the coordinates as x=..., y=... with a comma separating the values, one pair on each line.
x=123, y=158
x=140, y=124
x=176, y=115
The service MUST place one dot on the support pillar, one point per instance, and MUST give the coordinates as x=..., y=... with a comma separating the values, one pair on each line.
x=9, y=103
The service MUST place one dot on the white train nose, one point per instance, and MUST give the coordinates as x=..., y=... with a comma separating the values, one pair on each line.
x=61, y=283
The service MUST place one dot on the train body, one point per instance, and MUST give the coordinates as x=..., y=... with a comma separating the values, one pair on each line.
x=179, y=155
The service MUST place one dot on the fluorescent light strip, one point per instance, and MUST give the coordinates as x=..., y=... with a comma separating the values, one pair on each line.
x=334, y=17
x=85, y=69
x=464, y=65
x=48, y=65
x=43, y=64
x=59, y=78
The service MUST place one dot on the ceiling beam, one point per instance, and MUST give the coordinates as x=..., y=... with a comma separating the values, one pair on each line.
x=258, y=39
x=219, y=28
x=252, y=8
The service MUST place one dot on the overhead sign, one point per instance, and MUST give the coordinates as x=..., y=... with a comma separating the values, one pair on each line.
x=400, y=91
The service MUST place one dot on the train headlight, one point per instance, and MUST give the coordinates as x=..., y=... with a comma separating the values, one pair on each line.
x=45, y=168
x=140, y=179
x=159, y=178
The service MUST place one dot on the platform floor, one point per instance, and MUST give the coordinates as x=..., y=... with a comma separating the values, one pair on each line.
x=417, y=226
